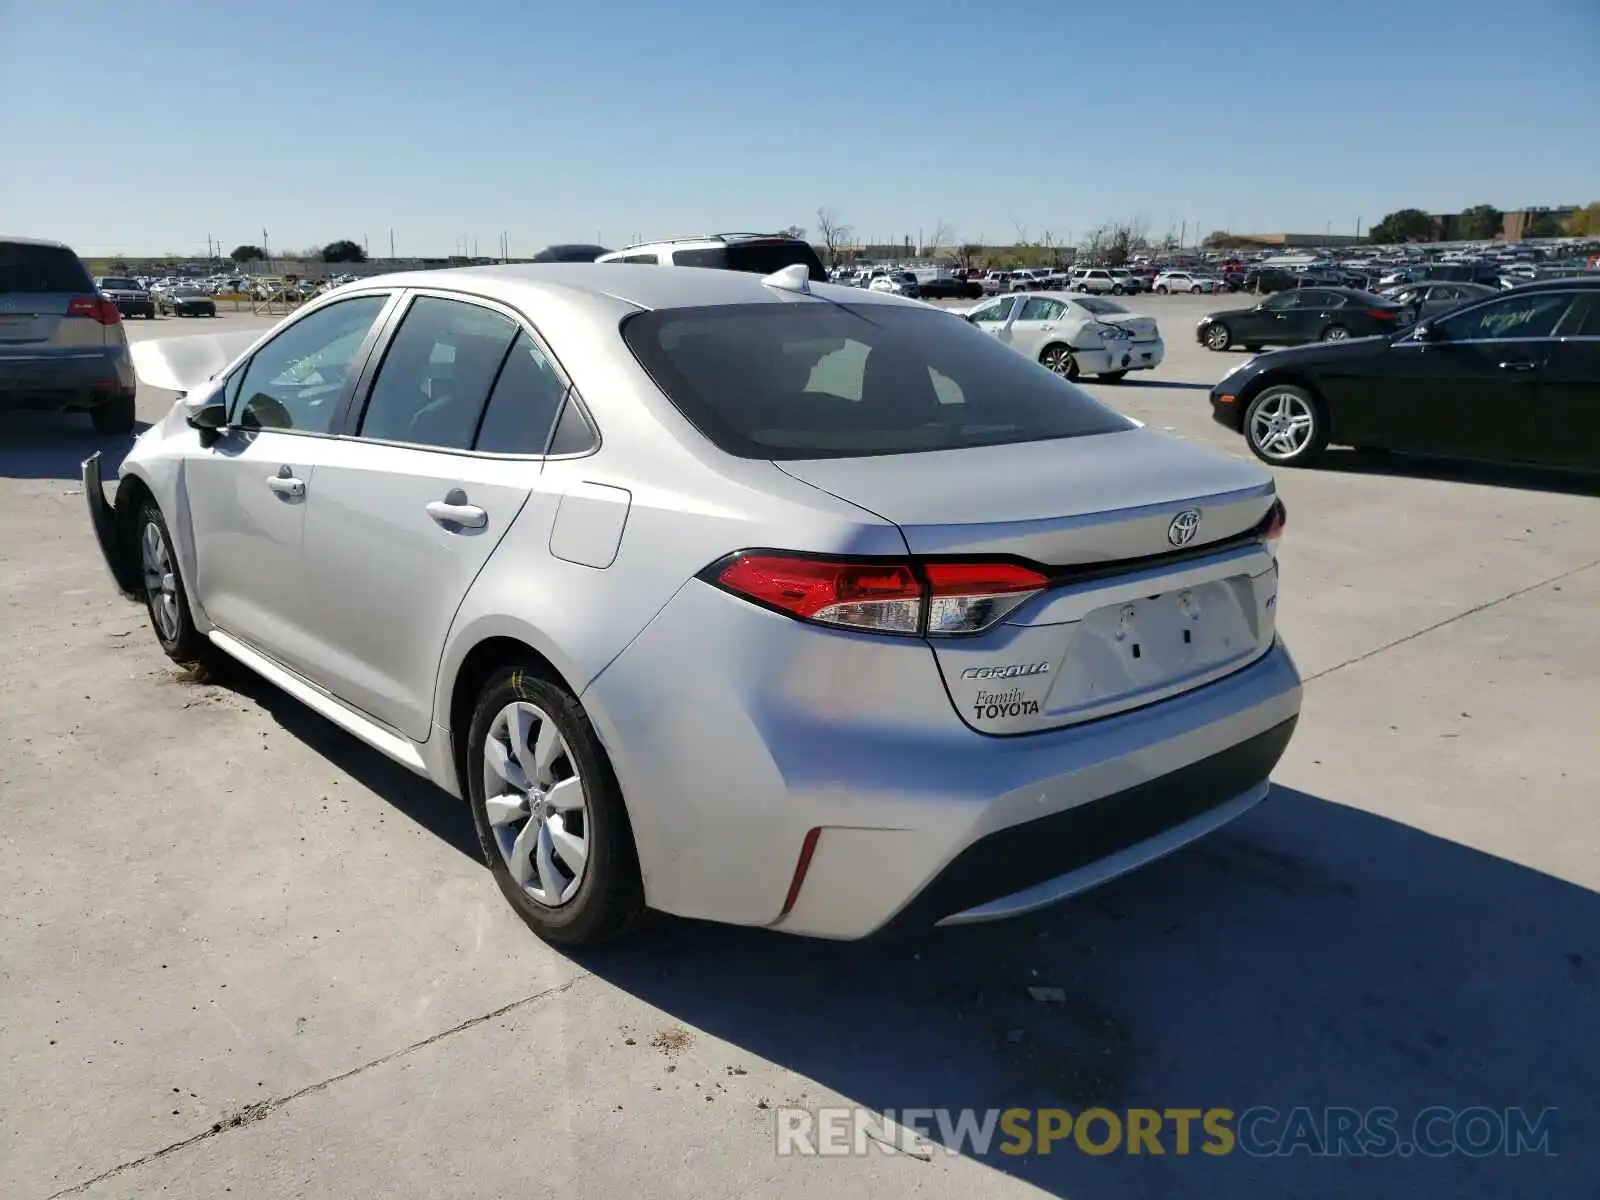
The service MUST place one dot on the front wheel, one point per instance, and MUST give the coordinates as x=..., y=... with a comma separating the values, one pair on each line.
x=1060, y=360
x=1196, y=290
x=1118, y=290
x=549, y=812
x=163, y=589
x=1218, y=336
x=1335, y=333
x=1285, y=426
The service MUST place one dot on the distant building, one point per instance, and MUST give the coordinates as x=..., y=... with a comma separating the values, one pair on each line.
x=1535, y=222
x=1293, y=240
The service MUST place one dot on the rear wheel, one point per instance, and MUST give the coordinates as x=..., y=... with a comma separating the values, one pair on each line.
x=549, y=813
x=1162, y=290
x=115, y=415
x=1285, y=426
x=1218, y=336
x=1196, y=290
x=1059, y=359
x=1118, y=290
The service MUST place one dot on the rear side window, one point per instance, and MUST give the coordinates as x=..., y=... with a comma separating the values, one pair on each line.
x=29, y=268
x=523, y=405
x=790, y=381
x=437, y=373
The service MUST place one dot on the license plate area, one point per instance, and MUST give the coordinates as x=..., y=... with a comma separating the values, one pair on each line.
x=1154, y=643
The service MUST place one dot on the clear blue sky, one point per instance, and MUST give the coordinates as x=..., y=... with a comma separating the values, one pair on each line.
x=142, y=126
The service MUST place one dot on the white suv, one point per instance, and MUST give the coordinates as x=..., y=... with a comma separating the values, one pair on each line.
x=756, y=252
x=1185, y=281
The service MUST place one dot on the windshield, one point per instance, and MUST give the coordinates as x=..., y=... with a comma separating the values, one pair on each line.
x=787, y=381
x=118, y=283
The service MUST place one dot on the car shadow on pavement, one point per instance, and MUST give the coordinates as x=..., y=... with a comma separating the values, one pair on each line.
x=47, y=445
x=1166, y=383
x=419, y=799
x=1310, y=955
x=1484, y=474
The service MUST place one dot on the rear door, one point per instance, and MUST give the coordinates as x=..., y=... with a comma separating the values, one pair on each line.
x=38, y=284
x=449, y=433
x=1566, y=426
x=1037, y=324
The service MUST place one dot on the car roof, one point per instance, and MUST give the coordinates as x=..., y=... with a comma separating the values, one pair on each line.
x=638, y=284
x=23, y=241
x=1543, y=285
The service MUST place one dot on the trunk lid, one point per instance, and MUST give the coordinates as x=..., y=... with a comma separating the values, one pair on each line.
x=1135, y=612
x=1144, y=329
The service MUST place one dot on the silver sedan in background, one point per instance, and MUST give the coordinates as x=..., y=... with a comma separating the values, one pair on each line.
x=738, y=597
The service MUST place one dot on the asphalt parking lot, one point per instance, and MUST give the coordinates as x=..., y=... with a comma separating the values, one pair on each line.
x=240, y=952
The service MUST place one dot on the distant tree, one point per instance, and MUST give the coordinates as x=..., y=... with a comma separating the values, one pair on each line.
x=941, y=237
x=343, y=250
x=1480, y=222
x=243, y=254
x=1403, y=225
x=1220, y=237
x=798, y=232
x=1585, y=222
x=833, y=231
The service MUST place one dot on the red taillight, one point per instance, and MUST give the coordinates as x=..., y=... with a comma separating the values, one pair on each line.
x=881, y=596
x=1276, y=520
x=96, y=308
x=1383, y=314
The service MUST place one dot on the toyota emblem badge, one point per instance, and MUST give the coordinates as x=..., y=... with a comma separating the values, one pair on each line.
x=1184, y=526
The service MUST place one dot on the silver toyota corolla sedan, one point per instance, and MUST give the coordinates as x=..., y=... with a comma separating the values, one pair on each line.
x=738, y=597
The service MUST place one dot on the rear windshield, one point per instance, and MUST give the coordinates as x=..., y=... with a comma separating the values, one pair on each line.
x=813, y=380
x=761, y=258
x=29, y=268
x=118, y=283
x=1097, y=306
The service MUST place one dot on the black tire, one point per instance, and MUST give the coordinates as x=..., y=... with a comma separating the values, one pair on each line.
x=1113, y=376
x=1118, y=290
x=1218, y=336
x=1059, y=359
x=1253, y=347
x=610, y=897
x=115, y=415
x=1162, y=290
x=1310, y=449
x=184, y=644
x=1196, y=290
x=1335, y=333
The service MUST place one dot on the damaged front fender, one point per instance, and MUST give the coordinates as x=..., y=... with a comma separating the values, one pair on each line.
x=114, y=548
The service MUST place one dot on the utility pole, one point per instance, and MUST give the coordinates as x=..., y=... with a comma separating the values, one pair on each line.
x=1358, y=229
x=391, y=243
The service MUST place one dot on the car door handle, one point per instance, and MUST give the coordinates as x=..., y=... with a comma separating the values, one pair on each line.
x=287, y=485
x=465, y=516
x=1519, y=364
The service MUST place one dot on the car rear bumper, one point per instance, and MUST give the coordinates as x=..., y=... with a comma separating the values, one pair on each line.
x=76, y=381
x=735, y=760
x=103, y=520
x=1129, y=356
x=136, y=308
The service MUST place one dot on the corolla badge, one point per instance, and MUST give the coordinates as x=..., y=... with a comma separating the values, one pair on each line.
x=1184, y=526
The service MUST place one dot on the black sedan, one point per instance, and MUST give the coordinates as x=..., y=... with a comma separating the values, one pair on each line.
x=948, y=287
x=189, y=302
x=1512, y=378
x=1331, y=314
x=1429, y=300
